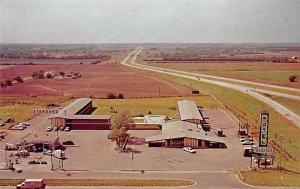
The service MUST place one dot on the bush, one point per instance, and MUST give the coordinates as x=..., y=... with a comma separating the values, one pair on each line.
x=39, y=75
x=121, y=96
x=34, y=74
x=2, y=84
x=62, y=74
x=8, y=82
x=293, y=78
x=18, y=79
x=111, y=96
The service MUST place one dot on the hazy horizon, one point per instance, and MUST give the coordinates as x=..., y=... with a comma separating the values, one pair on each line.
x=146, y=22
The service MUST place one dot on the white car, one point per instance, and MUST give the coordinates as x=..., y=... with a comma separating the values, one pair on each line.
x=49, y=129
x=248, y=143
x=189, y=149
x=18, y=127
x=246, y=139
x=67, y=129
x=26, y=123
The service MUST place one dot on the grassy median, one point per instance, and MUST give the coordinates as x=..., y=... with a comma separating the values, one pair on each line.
x=271, y=178
x=157, y=106
x=103, y=182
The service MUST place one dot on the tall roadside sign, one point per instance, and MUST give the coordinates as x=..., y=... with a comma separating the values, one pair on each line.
x=264, y=128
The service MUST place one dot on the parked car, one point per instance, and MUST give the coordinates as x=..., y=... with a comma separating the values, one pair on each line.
x=47, y=152
x=18, y=127
x=248, y=143
x=246, y=139
x=26, y=124
x=67, y=129
x=189, y=149
x=49, y=129
x=68, y=142
x=2, y=124
x=56, y=128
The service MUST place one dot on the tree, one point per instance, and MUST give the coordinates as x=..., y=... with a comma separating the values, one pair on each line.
x=62, y=74
x=120, y=128
x=111, y=96
x=8, y=82
x=34, y=74
x=2, y=84
x=18, y=79
x=121, y=96
x=293, y=78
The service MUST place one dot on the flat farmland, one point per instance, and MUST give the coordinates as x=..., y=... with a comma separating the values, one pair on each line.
x=96, y=81
x=271, y=73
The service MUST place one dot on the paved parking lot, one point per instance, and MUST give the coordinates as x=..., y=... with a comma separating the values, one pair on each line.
x=94, y=152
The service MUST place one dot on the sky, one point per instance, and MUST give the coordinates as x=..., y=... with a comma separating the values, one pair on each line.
x=149, y=21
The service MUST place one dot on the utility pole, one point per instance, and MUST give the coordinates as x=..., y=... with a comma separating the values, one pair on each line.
x=62, y=164
x=132, y=155
x=159, y=91
x=51, y=161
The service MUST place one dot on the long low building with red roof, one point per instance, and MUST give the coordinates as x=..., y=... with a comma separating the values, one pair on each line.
x=77, y=115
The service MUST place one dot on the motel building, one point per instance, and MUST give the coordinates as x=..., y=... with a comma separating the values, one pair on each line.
x=78, y=115
x=187, y=132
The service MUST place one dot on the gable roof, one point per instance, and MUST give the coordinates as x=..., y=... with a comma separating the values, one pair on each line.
x=182, y=129
x=188, y=110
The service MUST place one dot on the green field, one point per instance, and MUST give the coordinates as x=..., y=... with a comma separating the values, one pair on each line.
x=270, y=73
x=271, y=178
x=282, y=77
x=20, y=108
x=157, y=106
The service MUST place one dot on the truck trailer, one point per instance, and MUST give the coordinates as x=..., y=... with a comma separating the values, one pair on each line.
x=32, y=184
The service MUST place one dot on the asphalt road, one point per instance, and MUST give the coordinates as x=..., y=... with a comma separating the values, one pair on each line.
x=202, y=179
x=291, y=116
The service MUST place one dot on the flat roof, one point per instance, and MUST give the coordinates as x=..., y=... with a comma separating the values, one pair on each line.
x=188, y=110
x=75, y=106
x=69, y=112
x=182, y=129
x=81, y=116
x=40, y=137
x=34, y=180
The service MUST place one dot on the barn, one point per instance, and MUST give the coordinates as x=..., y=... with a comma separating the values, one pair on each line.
x=78, y=115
